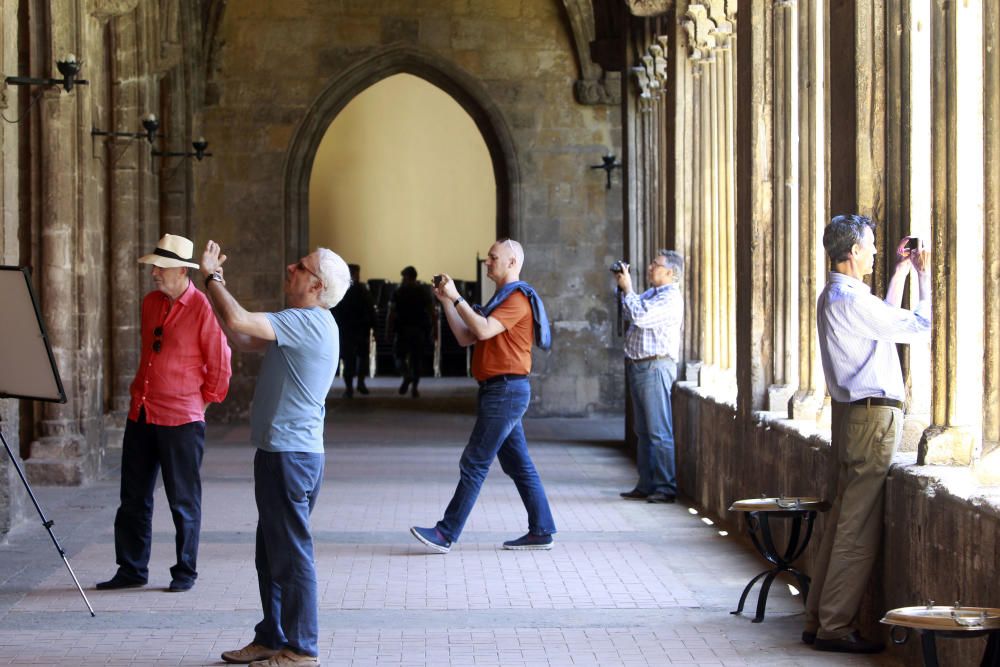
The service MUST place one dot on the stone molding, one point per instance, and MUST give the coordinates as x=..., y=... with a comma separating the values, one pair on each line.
x=595, y=85
x=648, y=8
x=467, y=91
x=605, y=91
x=108, y=9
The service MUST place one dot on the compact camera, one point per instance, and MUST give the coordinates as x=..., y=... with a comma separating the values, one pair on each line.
x=620, y=266
x=437, y=280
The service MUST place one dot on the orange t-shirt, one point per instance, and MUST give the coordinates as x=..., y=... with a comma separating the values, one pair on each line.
x=509, y=352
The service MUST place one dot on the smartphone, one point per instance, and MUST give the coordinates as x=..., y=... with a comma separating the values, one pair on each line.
x=913, y=243
x=436, y=280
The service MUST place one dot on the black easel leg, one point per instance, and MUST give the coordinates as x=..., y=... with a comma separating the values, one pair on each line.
x=45, y=522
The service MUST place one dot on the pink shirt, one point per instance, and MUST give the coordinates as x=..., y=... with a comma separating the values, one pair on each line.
x=192, y=367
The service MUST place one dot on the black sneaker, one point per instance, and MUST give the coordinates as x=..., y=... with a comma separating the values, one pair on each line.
x=118, y=581
x=180, y=585
x=432, y=538
x=362, y=388
x=528, y=542
x=661, y=498
x=634, y=494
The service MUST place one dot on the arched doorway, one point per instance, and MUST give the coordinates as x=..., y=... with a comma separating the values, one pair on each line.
x=468, y=92
x=403, y=177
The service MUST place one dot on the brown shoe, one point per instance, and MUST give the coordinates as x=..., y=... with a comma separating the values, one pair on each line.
x=287, y=658
x=248, y=654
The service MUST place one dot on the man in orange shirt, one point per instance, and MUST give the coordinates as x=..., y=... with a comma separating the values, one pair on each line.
x=184, y=366
x=503, y=332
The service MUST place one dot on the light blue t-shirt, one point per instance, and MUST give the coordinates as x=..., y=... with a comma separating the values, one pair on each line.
x=289, y=402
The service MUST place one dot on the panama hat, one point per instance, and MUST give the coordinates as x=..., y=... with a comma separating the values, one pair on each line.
x=171, y=252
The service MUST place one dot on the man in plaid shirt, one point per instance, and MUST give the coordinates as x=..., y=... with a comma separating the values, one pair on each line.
x=652, y=347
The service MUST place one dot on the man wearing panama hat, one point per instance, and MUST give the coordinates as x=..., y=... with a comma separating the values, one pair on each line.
x=184, y=365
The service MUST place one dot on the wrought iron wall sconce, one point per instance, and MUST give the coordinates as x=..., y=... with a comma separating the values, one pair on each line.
x=69, y=68
x=149, y=127
x=199, y=145
x=608, y=164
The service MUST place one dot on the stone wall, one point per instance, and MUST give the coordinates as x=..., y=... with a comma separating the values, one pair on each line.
x=940, y=543
x=511, y=63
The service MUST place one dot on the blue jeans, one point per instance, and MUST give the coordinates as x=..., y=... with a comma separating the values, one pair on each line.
x=498, y=433
x=650, y=383
x=286, y=485
x=177, y=451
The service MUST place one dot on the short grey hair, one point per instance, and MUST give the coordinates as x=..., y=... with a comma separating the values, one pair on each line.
x=335, y=275
x=674, y=261
x=516, y=248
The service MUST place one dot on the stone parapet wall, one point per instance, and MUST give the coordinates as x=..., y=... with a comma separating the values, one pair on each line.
x=942, y=538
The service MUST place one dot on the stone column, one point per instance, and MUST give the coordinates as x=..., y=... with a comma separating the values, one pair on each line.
x=753, y=209
x=988, y=468
x=57, y=455
x=807, y=403
x=958, y=185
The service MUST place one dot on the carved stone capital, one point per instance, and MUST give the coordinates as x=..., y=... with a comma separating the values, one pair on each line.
x=107, y=9
x=605, y=91
x=649, y=7
x=700, y=31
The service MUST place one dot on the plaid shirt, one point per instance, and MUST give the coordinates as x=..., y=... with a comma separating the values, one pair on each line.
x=656, y=317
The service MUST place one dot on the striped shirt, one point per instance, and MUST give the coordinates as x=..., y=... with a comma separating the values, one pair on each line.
x=857, y=337
x=656, y=317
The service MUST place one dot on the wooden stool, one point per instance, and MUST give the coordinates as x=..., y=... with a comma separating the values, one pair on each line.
x=954, y=622
x=760, y=511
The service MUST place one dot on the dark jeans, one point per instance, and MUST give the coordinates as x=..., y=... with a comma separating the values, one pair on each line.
x=498, y=433
x=146, y=448
x=409, y=351
x=650, y=383
x=286, y=485
x=354, y=352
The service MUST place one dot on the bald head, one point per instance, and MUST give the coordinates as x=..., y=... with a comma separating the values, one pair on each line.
x=504, y=261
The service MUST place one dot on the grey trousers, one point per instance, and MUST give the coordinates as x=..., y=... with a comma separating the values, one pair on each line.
x=864, y=440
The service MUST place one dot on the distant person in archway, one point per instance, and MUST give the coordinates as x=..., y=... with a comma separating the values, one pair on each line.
x=355, y=316
x=411, y=314
x=502, y=332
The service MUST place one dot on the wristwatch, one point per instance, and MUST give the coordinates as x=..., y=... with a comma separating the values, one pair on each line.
x=214, y=277
x=458, y=301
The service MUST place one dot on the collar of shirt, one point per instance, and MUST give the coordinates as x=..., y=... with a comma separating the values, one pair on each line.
x=844, y=280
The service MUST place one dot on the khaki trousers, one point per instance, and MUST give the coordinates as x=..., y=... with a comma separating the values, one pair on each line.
x=864, y=441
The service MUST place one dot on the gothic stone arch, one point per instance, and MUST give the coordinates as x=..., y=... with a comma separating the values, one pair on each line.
x=467, y=91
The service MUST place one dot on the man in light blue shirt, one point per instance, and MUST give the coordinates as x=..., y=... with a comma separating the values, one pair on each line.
x=858, y=333
x=301, y=353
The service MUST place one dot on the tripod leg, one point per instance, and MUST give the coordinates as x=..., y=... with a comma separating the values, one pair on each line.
x=45, y=522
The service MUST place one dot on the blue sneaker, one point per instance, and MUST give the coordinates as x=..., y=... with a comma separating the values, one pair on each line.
x=528, y=542
x=432, y=538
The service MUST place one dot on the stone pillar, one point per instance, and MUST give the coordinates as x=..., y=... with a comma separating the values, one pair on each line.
x=807, y=403
x=57, y=456
x=753, y=209
x=988, y=468
x=958, y=186
x=786, y=223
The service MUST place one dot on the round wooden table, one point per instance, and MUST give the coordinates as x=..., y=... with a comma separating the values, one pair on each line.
x=953, y=622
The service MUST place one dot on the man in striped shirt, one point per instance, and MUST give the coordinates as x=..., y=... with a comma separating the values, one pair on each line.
x=858, y=333
x=652, y=347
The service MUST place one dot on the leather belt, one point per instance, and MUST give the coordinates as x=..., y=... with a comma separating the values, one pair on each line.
x=653, y=358
x=502, y=378
x=878, y=401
